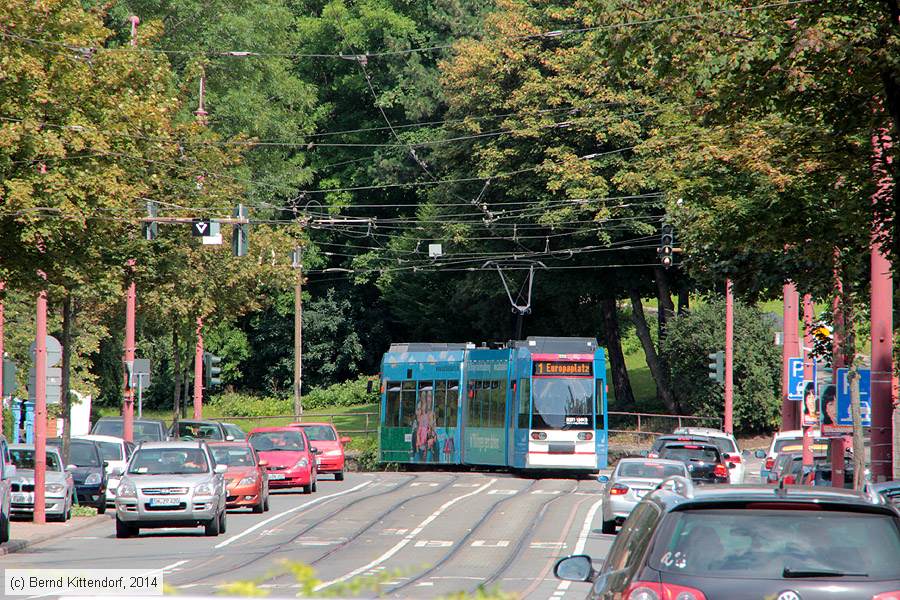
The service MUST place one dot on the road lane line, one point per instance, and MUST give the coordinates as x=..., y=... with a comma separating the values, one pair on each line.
x=582, y=541
x=406, y=540
x=261, y=524
x=174, y=565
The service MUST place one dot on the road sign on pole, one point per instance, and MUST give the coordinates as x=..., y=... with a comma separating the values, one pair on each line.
x=9, y=377
x=200, y=228
x=53, y=385
x=54, y=351
x=795, y=378
x=843, y=397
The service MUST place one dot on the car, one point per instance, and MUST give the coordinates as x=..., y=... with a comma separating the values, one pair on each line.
x=748, y=542
x=890, y=490
x=820, y=473
x=792, y=448
x=291, y=458
x=703, y=460
x=212, y=431
x=234, y=431
x=796, y=473
x=727, y=445
x=324, y=437
x=781, y=439
x=172, y=484
x=662, y=440
x=143, y=430
x=89, y=471
x=773, y=475
x=629, y=482
x=59, y=485
x=246, y=483
x=7, y=472
x=115, y=452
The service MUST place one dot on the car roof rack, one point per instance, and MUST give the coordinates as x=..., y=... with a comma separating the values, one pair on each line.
x=680, y=485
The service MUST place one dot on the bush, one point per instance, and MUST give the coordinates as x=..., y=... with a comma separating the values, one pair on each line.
x=244, y=405
x=368, y=452
x=7, y=423
x=757, y=365
x=348, y=393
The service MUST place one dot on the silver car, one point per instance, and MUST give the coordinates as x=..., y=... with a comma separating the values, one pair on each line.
x=59, y=487
x=7, y=472
x=631, y=480
x=171, y=484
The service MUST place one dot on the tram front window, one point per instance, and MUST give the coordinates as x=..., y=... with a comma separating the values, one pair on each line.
x=562, y=403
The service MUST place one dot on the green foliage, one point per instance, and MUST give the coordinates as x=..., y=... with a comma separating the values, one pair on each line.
x=367, y=448
x=7, y=423
x=83, y=511
x=757, y=365
x=305, y=576
x=233, y=404
x=349, y=393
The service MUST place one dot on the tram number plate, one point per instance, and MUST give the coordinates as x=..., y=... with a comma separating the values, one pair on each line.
x=577, y=420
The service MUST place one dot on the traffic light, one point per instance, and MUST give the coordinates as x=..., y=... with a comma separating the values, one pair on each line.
x=666, y=242
x=240, y=233
x=211, y=370
x=717, y=366
x=149, y=230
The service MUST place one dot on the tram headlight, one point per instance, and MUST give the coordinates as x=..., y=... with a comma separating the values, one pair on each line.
x=538, y=435
x=585, y=436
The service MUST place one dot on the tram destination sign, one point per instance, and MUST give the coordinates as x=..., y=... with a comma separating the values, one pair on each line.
x=561, y=367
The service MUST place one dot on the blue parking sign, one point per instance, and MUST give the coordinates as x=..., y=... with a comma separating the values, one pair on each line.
x=843, y=397
x=795, y=379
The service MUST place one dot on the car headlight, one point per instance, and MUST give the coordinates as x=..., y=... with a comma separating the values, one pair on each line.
x=54, y=488
x=204, y=489
x=249, y=480
x=334, y=453
x=126, y=489
x=93, y=479
x=301, y=464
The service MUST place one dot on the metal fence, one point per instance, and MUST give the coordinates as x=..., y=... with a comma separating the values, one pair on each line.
x=352, y=424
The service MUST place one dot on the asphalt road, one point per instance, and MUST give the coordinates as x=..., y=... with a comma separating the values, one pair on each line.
x=423, y=535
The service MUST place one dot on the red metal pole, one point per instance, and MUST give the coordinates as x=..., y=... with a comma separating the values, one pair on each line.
x=128, y=405
x=882, y=322
x=198, y=372
x=789, y=350
x=729, y=356
x=2, y=322
x=40, y=409
x=807, y=373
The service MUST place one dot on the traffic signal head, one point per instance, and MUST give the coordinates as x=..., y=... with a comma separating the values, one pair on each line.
x=666, y=242
x=240, y=233
x=717, y=366
x=211, y=370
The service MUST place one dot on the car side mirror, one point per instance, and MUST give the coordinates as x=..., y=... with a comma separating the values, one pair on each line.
x=71, y=467
x=574, y=568
x=105, y=463
x=644, y=453
x=314, y=450
x=760, y=454
x=345, y=440
x=732, y=465
x=229, y=438
x=221, y=469
x=603, y=479
x=745, y=453
x=264, y=463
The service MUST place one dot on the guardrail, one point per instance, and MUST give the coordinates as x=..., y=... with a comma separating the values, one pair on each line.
x=360, y=424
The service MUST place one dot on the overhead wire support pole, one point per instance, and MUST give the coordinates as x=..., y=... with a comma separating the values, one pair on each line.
x=729, y=356
x=297, y=264
x=198, y=372
x=40, y=407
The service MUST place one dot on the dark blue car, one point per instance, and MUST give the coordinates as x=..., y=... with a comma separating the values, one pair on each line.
x=89, y=472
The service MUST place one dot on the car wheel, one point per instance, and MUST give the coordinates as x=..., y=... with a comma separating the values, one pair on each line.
x=608, y=527
x=124, y=530
x=222, y=521
x=101, y=505
x=306, y=489
x=211, y=529
x=266, y=505
x=260, y=506
x=339, y=476
x=315, y=485
x=4, y=528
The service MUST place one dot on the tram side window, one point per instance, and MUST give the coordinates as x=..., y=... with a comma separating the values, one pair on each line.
x=408, y=403
x=524, y=402
x=392, y=410
x=440, y=403
x=499, y=405
x=598, y=413
x=473, y=418
x=484, y=404
x=452, y=403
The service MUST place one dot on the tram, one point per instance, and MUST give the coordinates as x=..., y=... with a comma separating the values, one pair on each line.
x=533, y=404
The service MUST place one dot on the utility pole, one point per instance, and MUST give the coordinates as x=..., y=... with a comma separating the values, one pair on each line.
x=789, y=349
x=298, y=330
x=198, y=372
x=40, y=408
x=729, y=356
x=2, y=322
x=128, y=403
x=807, y=374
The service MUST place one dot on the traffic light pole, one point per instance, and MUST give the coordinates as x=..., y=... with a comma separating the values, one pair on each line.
x=298, y=333
x=789, y=350
x=40, y=410
x=729, y=356
x=128, y=400
x=198, y=372
x=807, y=374
x=2, y=322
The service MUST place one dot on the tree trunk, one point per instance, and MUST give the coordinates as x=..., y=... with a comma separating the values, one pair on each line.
x=176, y=375
x=684, y=301
x=65, y=395
x=859, y=456
x=186, y=395
x=613, y=338
x=666, y=307
x=656, y=368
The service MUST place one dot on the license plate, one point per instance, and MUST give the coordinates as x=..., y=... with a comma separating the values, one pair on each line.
x=165, y=501
x=20, y=498
x=276, y=475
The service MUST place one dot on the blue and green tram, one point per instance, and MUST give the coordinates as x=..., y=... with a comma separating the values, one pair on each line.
x=533, y=404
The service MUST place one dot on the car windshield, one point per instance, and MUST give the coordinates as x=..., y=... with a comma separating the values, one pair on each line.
x=269, y=441
x=696, y=453
x=234, y=431
x=168, y=461
x=767, y=544
x=24, y=459
x=110, y=451
x=143, y=431
x=83, y=454
x=234, y=457
x=320, y=433
x=649, y=470
x=199, y=431
x=562, y=403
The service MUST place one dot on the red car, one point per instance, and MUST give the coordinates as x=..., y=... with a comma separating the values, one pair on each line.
x=246, y=483
x=290, y=457
x=331, y=447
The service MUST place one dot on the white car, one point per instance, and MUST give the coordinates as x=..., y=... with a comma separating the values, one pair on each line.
x=115, y=452
x=632, y=479
x=782, y=439
x=726, y=444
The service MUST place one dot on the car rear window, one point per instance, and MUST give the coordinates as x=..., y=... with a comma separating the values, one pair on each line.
x=723, y=444
x=690, y=452
x=199, y=431
x=649, y=470
x=796, y=445
x=765, y=544
x=142, y=431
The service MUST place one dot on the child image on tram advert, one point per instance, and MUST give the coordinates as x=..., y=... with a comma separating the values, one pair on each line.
x=425, y=446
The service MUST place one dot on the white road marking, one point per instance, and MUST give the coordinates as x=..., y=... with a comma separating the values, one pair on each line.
x=173, y=566
x=582, y=540
x=486, y=544
x=407, y=539
x=504, y=492
x=425, y=584
x=433, y=544
x=465, y=485
x=548, y=545
x=418, y=483
x=188, y=586
x=287, y=512
x=318, y=542
x=394, y=531
x=550, y=492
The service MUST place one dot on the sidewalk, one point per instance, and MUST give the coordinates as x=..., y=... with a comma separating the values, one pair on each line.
x=25, y=533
